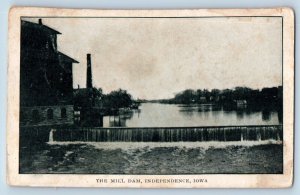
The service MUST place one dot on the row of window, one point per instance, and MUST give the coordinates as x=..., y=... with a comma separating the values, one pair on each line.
x=36, y=115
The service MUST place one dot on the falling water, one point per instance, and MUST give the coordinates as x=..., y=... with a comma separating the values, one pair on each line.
x=51, y=135
x=191, y=134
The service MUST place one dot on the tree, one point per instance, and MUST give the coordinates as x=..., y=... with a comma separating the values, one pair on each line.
x=185, y=97
x=241, y=93
x=118, y=99
x=87, y=97
x=198, y=94
x=206, y=94
x=215, y=93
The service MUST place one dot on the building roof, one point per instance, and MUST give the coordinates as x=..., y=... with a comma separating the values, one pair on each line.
x=65, y=58
x=39, y=26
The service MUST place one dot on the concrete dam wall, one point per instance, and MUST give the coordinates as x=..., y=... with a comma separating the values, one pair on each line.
x=171, y=134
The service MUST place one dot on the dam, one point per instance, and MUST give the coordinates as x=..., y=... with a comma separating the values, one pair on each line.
x=168, y=134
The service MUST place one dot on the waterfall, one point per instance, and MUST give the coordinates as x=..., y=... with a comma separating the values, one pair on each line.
x=169, y=134
x=51, y=135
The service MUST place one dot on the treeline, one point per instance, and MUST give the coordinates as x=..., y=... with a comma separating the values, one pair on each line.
x=96, y=98
x=266, y=97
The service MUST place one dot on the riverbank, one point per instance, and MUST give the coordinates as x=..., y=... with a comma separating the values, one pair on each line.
x=153, y=158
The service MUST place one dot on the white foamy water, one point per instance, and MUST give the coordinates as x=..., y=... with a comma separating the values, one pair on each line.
x=151, y=145
x=51, y=135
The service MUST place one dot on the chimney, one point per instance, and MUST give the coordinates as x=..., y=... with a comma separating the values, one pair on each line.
x=40, y=22
x=89, y=72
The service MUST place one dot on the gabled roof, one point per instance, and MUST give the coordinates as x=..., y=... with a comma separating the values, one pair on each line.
x=39, y=26
x=65, y=58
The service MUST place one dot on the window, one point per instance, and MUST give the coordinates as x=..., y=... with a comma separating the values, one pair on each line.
x=49, y=113
x=35, y=115
x=63, y=113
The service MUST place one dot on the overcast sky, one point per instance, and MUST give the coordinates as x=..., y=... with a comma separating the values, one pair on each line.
x=155, y=58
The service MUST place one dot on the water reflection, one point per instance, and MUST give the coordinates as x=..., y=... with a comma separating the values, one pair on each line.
x=266, y=115
x=171, y=115
x=117, y=121
x=240, y=114
x=120, y=120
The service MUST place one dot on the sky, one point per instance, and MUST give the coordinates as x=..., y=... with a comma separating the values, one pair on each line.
x=155, y=58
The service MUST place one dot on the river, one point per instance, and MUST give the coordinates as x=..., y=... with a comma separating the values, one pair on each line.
x=174, y=115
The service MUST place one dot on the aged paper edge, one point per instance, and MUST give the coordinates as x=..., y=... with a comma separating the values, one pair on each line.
x=214, y=180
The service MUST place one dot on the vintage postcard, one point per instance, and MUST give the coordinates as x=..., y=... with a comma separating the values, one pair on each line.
x=199, y=98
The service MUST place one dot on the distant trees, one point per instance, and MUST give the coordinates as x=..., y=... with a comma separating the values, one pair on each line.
x=228, y=98
x=185, y=97
x=265, y=97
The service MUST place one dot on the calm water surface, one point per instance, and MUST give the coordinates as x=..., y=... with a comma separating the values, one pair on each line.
x=171, y=115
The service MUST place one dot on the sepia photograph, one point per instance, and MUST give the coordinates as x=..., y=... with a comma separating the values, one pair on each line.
x=151, y=94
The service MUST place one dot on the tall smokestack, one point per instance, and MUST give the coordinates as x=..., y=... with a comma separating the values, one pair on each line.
x=89, y=83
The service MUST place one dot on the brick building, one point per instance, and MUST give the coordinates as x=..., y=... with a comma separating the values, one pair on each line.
x=46, y=82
